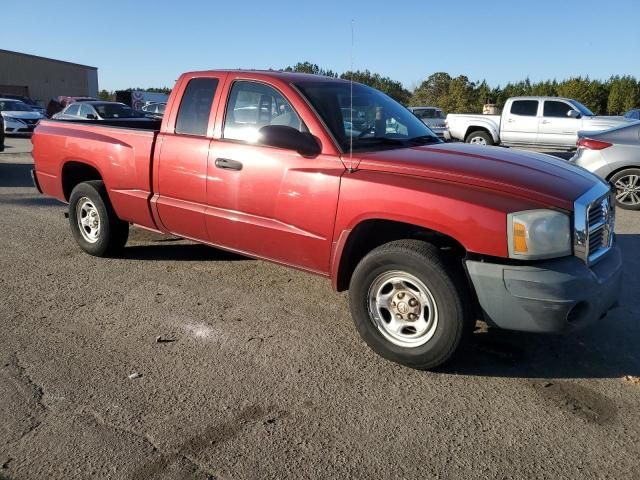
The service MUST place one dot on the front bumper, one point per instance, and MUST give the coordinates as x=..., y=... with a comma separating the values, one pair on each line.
x=553, y=296
x=11, y=127
x=441, y=133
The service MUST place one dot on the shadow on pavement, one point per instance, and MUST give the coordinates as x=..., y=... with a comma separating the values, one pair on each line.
x=16, y=175
x=179, y=252
x=608, y=349
x=35, y=200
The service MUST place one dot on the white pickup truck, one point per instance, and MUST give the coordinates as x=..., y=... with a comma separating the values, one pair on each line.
x=551, y=122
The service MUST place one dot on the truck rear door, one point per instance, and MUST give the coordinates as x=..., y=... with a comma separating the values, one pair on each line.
x=519, y=123
x=182, y=153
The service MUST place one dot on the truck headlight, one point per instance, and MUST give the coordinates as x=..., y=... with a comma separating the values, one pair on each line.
x=536, y=234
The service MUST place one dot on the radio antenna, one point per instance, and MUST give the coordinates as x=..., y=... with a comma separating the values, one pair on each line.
x=351, y=102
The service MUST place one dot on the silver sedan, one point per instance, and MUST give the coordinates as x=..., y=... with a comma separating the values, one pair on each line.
x=615, y=156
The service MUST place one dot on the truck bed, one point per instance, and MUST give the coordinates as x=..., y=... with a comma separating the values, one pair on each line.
x=121, y=151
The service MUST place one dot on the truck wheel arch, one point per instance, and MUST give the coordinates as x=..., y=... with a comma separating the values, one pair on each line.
x=473, y=129
x=353, y=245
x=74, y=172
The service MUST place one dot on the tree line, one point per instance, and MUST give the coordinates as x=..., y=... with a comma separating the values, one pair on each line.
x=459, y=94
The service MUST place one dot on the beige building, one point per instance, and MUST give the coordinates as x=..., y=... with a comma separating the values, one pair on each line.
x=43, y=78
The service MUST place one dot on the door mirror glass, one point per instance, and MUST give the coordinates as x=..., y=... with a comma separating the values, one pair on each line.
x=283, y=136
x=573, y=114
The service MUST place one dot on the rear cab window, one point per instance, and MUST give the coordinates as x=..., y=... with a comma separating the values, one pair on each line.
x=195, y=106
x=524, y=108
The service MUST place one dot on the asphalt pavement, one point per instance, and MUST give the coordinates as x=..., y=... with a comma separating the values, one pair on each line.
x=179, y=361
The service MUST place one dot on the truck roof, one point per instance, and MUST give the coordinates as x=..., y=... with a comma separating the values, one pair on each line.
x=540, y=97
x=286, y=76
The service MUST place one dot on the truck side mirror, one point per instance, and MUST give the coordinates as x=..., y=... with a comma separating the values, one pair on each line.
x=91, y=116
x=573, y=114
x=283, y=136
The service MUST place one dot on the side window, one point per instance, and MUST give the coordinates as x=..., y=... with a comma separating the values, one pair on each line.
x=160, y=108
x=556, y=109
x=195, y=107
x=85, y=110
x=73, y=109
x=253, y=105
x=525, y=108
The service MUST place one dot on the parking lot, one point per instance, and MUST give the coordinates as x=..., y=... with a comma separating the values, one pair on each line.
x=180, y=361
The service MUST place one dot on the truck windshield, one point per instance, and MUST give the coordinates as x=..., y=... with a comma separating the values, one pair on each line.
x=582, y=109
x=368, y=120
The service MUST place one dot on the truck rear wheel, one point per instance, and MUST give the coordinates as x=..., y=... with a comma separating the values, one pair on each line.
x=94, y=223
x=479, y=137
x=408, y=306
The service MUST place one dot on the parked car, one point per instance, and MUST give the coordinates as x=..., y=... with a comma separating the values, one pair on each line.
x=551, y=122
x=137, y=99
x=424, y=235
x=633, y=114
x=1, y=133
x=18, y=117
x=614, y=155
x=27, y=100
x=57, y=104
x=154, y=110
x=97, y=110
x=433, y=118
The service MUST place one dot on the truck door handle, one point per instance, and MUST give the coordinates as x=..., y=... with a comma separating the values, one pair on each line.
x=228, y=164
x=511, y=120
x=546, y=121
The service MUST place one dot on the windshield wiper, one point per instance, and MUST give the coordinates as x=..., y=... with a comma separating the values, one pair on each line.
x=381, y=140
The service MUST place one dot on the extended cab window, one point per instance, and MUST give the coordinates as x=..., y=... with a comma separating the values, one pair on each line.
x=525, y=108
x=254, y=105
x=556, y=109
x=193, y=114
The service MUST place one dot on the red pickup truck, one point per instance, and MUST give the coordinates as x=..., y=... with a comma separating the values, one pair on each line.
x=340, y=180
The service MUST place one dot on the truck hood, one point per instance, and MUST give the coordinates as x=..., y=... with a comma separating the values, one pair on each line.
x=546, y=180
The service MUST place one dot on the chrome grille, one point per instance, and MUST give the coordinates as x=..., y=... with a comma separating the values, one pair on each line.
x=594, y=223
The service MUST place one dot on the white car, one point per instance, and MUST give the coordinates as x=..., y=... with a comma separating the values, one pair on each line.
x=551, y=122
x=19, y=118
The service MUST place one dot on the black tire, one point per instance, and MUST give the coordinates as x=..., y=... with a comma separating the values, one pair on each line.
x=113, y=232
x=446, y=285
x=479, y=134
x=618, y=182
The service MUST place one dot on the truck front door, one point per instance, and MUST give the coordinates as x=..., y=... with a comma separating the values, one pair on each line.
x=269, y=202
x=556, y=126
x=519, y=124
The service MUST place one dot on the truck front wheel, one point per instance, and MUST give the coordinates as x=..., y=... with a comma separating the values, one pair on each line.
x=408, y=306
x=94, y=223
x=479, y=137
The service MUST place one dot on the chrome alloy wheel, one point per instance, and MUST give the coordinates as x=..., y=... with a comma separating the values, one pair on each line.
x=403, y=309
x=628, y=190
x=478, y=141
x=88, y=220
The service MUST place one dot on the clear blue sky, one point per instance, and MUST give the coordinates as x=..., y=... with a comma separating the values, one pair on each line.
x=149, y=43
